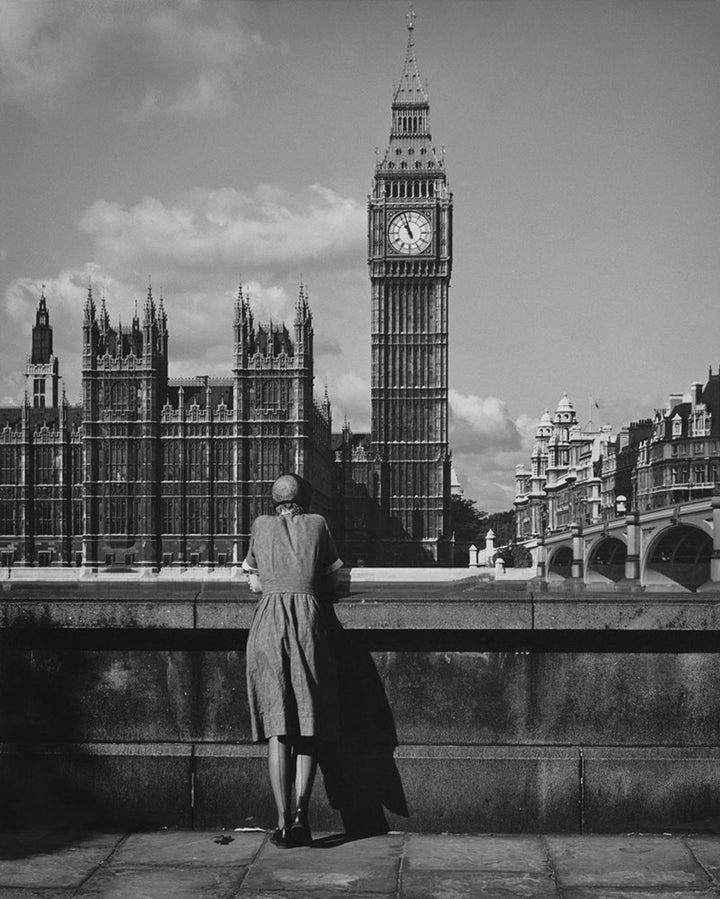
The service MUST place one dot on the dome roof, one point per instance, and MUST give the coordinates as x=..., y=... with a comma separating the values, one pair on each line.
x=564, y=405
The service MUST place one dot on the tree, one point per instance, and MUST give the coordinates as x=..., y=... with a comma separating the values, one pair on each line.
x=466, y=521
x=503, y=526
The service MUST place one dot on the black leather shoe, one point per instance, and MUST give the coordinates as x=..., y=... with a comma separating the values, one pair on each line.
x=281, y=838
x=300, y=830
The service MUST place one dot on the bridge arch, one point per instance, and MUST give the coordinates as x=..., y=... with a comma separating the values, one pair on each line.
x=560, y=563
x=680, y=555
x=606, y=560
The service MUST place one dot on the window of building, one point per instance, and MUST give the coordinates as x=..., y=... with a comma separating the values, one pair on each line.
x=116, y=515
x=116, y=460
x=8, y=465
x=223, y=515
x=197, y=515
x=77, y=463
x=197, y=460
x=45, y=471
x=43, y=518
x=39, y=393
x=270, y=395
x=170, y=510
x=223, y=460
x=171, y=470
x=77, y=517
x=7, y=517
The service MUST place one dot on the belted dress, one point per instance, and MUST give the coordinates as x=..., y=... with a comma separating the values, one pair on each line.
x=291, y=670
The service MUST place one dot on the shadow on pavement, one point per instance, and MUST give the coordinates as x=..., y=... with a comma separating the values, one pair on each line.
x=361, y=777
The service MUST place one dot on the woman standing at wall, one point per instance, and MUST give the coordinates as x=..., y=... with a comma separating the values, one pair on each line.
x=291, y=674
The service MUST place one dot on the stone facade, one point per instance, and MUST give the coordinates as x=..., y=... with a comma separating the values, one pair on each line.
x=397, y=481
x=583, y=476
x=156, y=471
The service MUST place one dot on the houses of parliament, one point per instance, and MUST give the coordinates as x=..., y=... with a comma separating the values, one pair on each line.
x=151, y=471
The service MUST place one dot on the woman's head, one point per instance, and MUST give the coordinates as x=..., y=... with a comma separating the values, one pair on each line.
x=291, y=492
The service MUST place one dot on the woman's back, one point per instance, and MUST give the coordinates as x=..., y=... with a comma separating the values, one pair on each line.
x=291, y=551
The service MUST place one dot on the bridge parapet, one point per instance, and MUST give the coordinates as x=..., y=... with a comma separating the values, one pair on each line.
x=677, y=547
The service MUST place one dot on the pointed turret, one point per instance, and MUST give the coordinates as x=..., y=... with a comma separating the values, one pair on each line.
x=303, y=324
x=104, y=317
x=89, y=304
x=410, y=149
x=302, y=307
x=42, y=333
x=162, y=315
x=239, y=305
x=149, y=311
x=410, y=90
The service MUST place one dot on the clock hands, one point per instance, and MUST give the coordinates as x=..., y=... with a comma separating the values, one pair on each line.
x=407, y=225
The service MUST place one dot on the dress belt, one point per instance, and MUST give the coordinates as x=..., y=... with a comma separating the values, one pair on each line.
x=288, y=585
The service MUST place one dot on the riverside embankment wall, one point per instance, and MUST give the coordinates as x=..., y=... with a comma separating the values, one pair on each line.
x=467, y=706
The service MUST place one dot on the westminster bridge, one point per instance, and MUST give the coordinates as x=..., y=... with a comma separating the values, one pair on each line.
x=671, y=548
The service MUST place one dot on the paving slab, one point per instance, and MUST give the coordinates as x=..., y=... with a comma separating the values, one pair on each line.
x=640, y=893
x=475, y=853
x=52, y=893
x=328, y=870
x=41, y=861
x=183, y=847
x=473, y=884
x=707, y=851
x=163, y=882
x=321, y=893
x=625, y=861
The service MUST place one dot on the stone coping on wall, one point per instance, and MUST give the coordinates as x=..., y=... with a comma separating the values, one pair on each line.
x=469, y=604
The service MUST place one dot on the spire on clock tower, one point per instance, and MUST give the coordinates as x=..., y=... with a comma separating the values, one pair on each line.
x=410, y=261
x=410, y=88
x=410, y=150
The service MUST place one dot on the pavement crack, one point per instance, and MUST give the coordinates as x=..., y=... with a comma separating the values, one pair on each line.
x=553, y=871
x=401, y=863
x=263, y=843
x=102, y=863
x=713, y=881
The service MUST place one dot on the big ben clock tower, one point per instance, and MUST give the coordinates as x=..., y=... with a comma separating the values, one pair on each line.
x=410, y=258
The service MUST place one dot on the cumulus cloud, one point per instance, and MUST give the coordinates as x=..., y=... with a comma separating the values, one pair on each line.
x=481, y=424
x=268, y=227
x=487, y=444
x=184, y=58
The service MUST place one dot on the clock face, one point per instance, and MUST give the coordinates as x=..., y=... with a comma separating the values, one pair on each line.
x=410, y=233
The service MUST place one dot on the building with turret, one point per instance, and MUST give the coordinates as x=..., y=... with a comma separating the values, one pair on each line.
x=396, y=481
x=154, y=471
x=583, y=477
x=564, y=484
x=42, y=372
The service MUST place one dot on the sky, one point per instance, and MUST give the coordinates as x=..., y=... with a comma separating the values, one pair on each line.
x=204, y=143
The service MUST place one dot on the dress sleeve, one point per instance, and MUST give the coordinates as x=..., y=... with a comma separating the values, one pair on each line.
x=330, y=561
x=249, y=562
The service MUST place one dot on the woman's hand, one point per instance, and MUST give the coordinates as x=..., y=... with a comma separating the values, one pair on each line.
x=253, y=581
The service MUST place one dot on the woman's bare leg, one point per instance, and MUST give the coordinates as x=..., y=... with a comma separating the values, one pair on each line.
x=280, y=768
x=305, y=768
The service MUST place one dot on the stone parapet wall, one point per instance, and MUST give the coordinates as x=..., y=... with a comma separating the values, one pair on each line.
x=466, y=707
